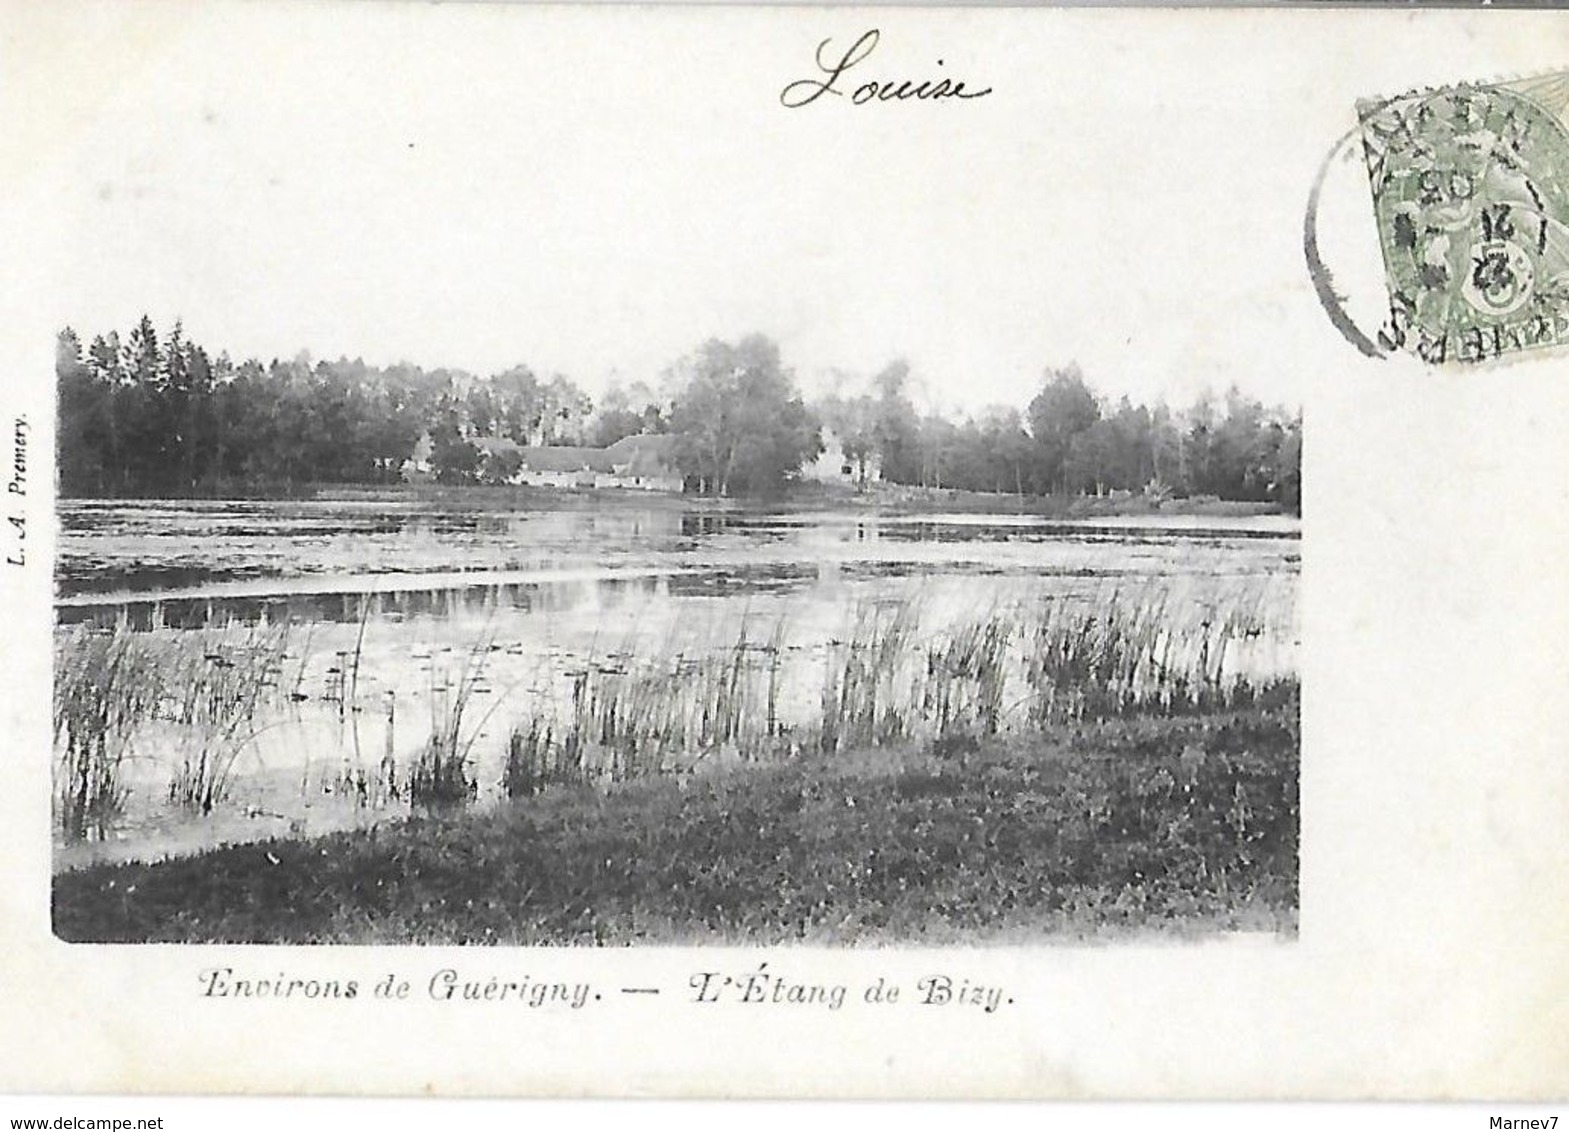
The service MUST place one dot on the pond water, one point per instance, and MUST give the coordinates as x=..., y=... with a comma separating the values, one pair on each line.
x=301, y=655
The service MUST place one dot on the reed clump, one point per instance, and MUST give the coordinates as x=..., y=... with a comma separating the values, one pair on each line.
x=662, y=714
x=966, y=678
x=442, y=774
x=1125, y=653
x=440, y=777
x=218, y=688
x=869, y=699
x=115, y=687
x=106, y=689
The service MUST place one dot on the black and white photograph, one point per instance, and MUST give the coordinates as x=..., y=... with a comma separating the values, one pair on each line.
x=757, y=551
x=660, y=565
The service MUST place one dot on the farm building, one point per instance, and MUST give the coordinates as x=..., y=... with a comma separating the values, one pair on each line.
x=834, y=465
x=637, y=462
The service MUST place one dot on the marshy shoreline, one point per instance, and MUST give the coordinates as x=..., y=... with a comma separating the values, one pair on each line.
x=769, y=729
x=1182, y=824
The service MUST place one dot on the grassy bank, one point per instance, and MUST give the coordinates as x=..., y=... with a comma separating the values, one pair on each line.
x=899, y=499
x=892, y=499
x=1186, y=822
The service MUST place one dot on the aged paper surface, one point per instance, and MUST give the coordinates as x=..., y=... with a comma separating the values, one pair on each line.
x=1176, y=200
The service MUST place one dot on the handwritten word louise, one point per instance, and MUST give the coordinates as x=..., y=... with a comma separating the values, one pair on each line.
x=803, y=92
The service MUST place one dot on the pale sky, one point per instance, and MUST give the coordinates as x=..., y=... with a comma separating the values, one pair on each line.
x=597, y=192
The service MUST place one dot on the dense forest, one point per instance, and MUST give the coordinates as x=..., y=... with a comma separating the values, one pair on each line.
x=161, y=414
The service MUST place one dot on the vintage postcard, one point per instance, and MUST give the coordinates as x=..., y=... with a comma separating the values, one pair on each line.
x=785, y=551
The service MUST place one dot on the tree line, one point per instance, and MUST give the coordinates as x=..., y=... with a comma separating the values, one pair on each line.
x=1068, y=441
x=154, y=413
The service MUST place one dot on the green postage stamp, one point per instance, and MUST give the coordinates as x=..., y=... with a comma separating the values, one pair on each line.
x=1471, y=193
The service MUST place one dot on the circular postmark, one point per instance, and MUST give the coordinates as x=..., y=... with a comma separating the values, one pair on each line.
x=1471, y=195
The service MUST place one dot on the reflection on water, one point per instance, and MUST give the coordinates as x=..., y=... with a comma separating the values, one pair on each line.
x=135, y=549
x=390, y=611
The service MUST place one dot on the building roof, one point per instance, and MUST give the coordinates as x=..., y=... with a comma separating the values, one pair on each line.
x=644, y=455
x=631, y=455
x=565, y=458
